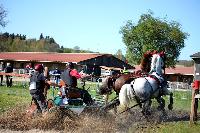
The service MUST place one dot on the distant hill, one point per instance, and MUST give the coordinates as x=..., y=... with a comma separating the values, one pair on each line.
x=19, y=43
x=186, y=63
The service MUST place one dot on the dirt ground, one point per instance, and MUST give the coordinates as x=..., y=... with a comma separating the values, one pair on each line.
x=16, y=121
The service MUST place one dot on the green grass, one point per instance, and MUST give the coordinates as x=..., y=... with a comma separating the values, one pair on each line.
x=10, y=97
x=182, y=100
x=174, y=127
x=14, y=96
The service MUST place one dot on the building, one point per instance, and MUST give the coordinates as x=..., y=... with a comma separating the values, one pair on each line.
x=180, y=74
x=91, y=62
x=196, y=58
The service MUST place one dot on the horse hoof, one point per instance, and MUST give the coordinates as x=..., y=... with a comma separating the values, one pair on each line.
x=170, y=106
x=146, y=112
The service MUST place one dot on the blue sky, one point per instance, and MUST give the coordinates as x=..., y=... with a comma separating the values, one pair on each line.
x=95, y=24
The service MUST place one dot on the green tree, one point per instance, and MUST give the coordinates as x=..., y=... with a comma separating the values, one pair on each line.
x=119, y=55
x=41, y=36
x=153, y=34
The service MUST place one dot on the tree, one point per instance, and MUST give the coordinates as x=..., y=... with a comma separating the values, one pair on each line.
x=76, y=49
x=153, y=34
x=119, y=55
x=41, y=36
x=3, y=14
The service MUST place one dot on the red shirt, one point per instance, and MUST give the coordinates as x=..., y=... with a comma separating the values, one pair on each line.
x=75, y=73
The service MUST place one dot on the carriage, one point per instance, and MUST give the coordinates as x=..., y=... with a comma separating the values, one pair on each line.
x=77, y=101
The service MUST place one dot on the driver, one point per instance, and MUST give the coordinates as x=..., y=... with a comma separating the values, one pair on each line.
x=70, y=76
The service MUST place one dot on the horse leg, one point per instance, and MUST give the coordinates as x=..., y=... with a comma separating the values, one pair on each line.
x=138, y=101
x=171, y=101
x=161, y=102
x=106, y=99
x=161, y=106
x=146, y=108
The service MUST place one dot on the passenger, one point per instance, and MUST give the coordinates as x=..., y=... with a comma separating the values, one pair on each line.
x=37, y=85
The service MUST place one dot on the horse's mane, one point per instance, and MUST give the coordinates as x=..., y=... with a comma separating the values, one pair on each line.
x=145, y=64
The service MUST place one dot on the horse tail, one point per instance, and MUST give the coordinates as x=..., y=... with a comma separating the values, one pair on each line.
x=126, y=94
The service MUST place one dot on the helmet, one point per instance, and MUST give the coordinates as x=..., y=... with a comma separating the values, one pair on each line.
x=39, y=67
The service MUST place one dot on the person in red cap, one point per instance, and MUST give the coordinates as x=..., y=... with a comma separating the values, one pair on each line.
x=37, y=85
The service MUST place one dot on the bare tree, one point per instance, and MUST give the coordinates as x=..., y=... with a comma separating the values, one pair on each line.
x=3, y=14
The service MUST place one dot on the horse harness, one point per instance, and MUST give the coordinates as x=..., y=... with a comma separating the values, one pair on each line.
x=137, y=98
x=158, y=82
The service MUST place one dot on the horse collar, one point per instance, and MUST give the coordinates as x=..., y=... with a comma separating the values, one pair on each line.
x=155, y=78
x=149, y=84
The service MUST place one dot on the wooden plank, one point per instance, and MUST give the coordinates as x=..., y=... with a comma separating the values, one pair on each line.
x=194, y=106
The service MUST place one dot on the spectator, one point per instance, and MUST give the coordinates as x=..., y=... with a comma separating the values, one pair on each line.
x=28, y=69
x=57, y=74
x=1, y=70
x=8, y=69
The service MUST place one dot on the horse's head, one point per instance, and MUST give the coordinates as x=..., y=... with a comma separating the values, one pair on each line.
x=107, y=86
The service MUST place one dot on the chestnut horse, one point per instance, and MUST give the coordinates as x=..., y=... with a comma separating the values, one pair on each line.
x=115, y=83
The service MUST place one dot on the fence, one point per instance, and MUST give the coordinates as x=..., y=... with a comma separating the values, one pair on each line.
x=180, y=86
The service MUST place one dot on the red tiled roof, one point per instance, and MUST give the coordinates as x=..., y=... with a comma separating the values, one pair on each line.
x=47, y=57
x=178, y=70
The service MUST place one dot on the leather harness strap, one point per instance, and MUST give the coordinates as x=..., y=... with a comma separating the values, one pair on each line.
x=155, y=78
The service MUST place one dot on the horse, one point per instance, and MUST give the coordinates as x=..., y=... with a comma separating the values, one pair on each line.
x=113, y=83
x=144, y=89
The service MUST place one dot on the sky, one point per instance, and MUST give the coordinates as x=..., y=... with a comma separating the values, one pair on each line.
x=95, y=24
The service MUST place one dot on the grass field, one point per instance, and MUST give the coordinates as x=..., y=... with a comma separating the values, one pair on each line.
x=18, y=95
